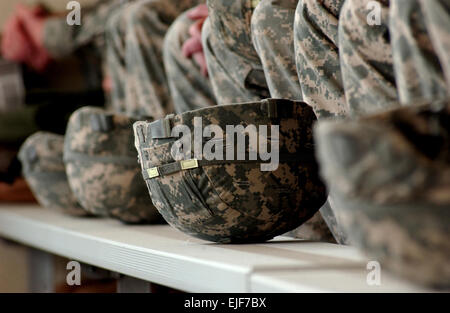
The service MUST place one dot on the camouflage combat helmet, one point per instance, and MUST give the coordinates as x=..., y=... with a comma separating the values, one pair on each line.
x=232, y=201
x=102, y=167
x=390, y=178
x=43, y=168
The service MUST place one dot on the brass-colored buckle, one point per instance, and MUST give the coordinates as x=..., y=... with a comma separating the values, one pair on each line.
x=153, y=172
x=189, y=164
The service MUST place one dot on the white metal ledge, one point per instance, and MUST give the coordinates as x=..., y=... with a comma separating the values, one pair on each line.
x=162, y=255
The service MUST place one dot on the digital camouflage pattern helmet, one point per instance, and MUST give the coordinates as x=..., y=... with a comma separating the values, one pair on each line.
x=41, y=156
x=102, y=166
x=233, y=201
x=390, y=178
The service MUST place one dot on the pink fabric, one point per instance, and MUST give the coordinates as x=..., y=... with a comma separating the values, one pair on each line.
x=192, y=48
x=22, y=39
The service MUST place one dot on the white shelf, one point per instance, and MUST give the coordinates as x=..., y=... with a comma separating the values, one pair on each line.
x=327, y=280
x=162, y=255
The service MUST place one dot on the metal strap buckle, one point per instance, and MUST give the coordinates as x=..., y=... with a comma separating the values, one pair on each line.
x=153, y=172
x=189, y=164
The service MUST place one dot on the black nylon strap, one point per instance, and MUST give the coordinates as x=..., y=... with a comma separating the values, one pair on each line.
x=102, y=122
x=175, y=167
x=46, y=176
x=170, y=168
x=119, y=160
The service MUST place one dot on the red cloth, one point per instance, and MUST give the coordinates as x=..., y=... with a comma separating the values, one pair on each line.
x=23, y=35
